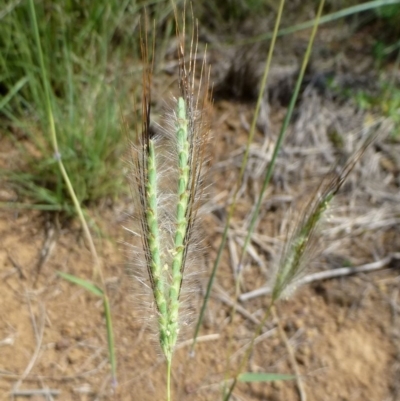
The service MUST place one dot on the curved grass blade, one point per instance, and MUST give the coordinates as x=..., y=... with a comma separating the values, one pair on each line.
x=250, y=377
x=110, y=340
x=94, y=289
x=87, y=285
x=13, y=91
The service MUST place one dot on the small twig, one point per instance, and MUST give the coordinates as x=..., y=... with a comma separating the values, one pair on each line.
x=328, y=274
x=292, y=358
x=224, y=298
x=45, y=252
x=17, y=266
x=39, y=338
x=46, y=392
x=49, y=396
x=253, y=253
x=92, y=372
x=260, y=338
x=202, y=339
x=234, y=256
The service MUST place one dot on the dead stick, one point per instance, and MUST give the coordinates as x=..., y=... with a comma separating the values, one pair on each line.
x=33, y=392
x=328, y=274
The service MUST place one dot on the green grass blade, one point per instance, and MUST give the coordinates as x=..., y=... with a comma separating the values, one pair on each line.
x=31, y=206
x=87, y=285
x=13, y=91
x=110, y=340
x=249, y=377
x=94, y=289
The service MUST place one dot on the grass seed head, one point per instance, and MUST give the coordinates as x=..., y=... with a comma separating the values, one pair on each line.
x=303, y=242
x=168, y=164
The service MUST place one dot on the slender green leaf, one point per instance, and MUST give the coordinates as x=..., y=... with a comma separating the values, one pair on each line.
x=249, y=377
x=87, y=285
x=30, y=206
x=13, y=91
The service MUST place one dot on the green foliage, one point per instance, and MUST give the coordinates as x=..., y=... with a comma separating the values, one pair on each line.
x=390, y=13
x=385, y=101
x=387, y=42
x=84, y=47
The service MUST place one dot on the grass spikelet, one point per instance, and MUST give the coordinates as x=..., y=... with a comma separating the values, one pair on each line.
x=191, y=137
x=300, y=247
x=168, y=163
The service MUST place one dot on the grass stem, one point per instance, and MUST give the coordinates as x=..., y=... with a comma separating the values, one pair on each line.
x=244, y=163
x=169, y=363
x=282, y=132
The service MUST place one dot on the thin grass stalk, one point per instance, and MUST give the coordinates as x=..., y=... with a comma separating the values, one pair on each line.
x=110, y=338
x=57, y=155
x=240, y=177
x=97, y=266
x=282, y=133
x=265, y=184
x=28, y=206
x=247, y=354
x=244, y=164
x=169, y=363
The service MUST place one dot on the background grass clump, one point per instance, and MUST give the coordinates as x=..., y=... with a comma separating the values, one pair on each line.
x=84, y=53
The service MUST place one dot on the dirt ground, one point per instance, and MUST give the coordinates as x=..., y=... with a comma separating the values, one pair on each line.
x=342, y=335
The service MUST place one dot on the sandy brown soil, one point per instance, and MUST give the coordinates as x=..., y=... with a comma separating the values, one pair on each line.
x=343, y=333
